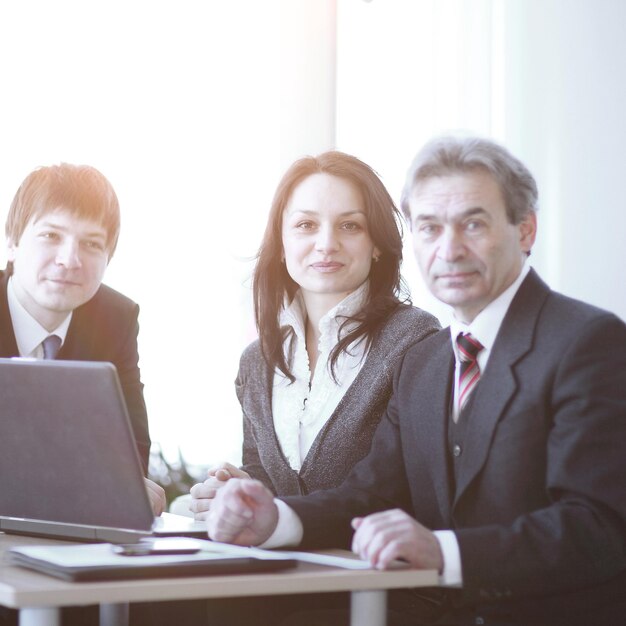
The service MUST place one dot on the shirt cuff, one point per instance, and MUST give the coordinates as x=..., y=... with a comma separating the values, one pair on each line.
x=288, y=531
x=452, y=575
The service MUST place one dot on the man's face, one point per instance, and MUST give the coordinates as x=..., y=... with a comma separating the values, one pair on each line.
x=467, y=250
x=58, y=264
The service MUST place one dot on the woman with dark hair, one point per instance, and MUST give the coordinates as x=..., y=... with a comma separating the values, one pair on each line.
x=332, y=322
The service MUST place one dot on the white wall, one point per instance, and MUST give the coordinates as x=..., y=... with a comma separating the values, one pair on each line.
x=307, y=78
x=566, y=117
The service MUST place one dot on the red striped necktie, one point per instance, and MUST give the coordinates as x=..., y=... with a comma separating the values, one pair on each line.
x=470, y=372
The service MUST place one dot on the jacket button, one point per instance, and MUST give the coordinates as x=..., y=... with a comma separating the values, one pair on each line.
x=456, y=450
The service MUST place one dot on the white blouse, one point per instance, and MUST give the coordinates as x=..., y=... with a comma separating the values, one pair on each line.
x=300, y=412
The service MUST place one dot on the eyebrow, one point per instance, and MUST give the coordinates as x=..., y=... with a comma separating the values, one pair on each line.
x=464, y=215
x=311, y=212
x=49, y=224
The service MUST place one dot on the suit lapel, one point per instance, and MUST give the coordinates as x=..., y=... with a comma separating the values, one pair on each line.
x=8, y=345
x=498, y=384
x=71, y=348
x=80, y=339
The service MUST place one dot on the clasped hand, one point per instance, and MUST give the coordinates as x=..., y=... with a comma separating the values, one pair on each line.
x=202, y=494
x=243, y=512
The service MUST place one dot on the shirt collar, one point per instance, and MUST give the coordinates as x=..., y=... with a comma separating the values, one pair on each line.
x=29, y=333
x=486, y=324
x=295, y=314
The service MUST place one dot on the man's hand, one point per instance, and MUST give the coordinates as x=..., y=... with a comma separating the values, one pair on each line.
x=202, y=494
x=243, y=512
x=383, y=537
x=156, y=495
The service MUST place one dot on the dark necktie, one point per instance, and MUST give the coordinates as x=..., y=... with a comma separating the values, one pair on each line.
x=470, y=372
x=51, y=345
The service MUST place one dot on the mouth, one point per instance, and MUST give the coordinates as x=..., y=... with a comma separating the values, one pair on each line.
x=454, y=277
x=62, y=282
x=327, y=266
x=455, y=274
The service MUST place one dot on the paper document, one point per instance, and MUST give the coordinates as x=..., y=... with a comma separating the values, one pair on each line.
x=94, y=555
x=332, y=560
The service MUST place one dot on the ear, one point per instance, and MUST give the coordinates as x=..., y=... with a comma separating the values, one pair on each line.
x=376, y=254
x=528, y=231
x=11, y=247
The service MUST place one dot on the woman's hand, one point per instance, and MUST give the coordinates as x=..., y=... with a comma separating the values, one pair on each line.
x=202, y=494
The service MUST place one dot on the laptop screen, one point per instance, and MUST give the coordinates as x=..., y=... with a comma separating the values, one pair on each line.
x=68, y=460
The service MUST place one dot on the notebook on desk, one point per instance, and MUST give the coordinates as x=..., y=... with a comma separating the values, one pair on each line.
x=105, y=561
x=68, y=460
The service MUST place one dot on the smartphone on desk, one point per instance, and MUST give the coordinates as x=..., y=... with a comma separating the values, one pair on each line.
x=158, y=547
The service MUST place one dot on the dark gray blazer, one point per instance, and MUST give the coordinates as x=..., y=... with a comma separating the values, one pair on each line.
x=346, y=437
x=539, y=501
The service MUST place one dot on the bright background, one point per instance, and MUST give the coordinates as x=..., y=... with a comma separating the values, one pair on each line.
x=194, y=109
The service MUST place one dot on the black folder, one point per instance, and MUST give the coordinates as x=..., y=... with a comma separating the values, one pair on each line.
x=102, y=561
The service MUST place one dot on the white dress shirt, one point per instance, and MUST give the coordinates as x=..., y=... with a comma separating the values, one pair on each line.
x=29, y=333
x=300, y=409
x=484, y=327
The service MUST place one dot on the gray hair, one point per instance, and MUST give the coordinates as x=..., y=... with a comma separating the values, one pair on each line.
x=444, y=156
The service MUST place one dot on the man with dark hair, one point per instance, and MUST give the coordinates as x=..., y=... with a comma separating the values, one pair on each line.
x=499, y=461
x=61, y=232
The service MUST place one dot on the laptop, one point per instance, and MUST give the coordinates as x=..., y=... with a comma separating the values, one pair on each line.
x=69, y=467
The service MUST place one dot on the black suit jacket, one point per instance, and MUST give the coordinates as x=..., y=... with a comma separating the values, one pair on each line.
x=103, y=329
x=539, y=501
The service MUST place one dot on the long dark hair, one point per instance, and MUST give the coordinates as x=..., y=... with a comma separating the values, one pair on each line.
x=272, y=285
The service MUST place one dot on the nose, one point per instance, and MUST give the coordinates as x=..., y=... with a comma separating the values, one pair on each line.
x=451, y=247
x=326, y=240
x=68, y=254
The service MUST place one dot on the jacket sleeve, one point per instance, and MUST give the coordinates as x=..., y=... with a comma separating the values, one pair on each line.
x=126, y=361
x=251, y=460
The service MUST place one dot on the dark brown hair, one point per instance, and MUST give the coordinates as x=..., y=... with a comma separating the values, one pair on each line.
x=273, y=287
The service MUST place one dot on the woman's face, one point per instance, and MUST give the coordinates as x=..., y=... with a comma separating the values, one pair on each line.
x=326, y=243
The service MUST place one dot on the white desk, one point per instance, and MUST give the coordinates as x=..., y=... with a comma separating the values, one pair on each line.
x=39, y=597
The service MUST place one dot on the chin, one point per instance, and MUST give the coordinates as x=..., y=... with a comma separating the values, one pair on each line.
x=61, y=304
x=452, y=297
